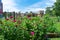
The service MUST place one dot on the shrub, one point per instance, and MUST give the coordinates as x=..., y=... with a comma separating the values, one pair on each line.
x=34, y=28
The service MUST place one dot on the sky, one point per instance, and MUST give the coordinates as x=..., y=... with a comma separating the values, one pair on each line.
x=26, y=5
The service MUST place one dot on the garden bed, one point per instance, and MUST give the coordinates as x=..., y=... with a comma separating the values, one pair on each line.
x=26, y=28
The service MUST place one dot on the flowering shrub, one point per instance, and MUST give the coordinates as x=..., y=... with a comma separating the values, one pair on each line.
x=34, y=28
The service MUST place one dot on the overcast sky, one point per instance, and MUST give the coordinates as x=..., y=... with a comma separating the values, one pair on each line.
x=26, y=5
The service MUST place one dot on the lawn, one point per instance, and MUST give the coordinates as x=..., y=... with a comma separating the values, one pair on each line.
x=57, y=25
x=55, y=38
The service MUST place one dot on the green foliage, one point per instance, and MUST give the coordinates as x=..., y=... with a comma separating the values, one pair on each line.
x=57, y=7
x=48, y=10
x=29, y=28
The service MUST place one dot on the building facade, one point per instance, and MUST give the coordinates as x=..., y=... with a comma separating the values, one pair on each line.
x=1, y=7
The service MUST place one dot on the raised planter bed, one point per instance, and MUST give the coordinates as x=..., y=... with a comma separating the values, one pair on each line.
x=53, y=35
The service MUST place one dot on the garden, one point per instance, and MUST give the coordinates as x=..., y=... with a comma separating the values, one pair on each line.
x=29, y=28
x=42, y=27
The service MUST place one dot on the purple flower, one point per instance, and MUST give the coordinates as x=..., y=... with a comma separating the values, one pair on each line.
x=32, y=33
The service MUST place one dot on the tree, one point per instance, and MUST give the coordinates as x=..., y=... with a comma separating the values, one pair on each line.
x=57, y=7
x=48, y=10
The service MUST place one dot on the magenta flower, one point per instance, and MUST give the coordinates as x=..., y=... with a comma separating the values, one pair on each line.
x=32, y=33
x=7, y=19
x=14, y=20
x=28, y=16
x=11, y=16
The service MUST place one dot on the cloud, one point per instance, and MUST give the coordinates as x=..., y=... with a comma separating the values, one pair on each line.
x=40, y=5
x=53, y=0
x=50, y=2
x=34, y=7
x=9, y=5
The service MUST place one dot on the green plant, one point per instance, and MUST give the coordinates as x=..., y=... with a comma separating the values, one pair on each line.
x=27, y=28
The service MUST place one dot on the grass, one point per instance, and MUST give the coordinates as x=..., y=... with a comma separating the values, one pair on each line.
x=55, y=39
x=57, y=25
